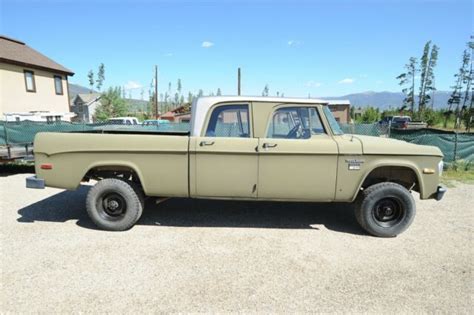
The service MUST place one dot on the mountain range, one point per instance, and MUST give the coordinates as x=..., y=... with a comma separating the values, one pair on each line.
x=382, y=100
x=75, y=89
x=385, y=100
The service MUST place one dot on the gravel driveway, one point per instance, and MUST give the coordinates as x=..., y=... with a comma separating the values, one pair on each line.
x=219, y=256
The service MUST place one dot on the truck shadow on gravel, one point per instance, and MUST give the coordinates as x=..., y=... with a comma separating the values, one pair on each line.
x=183, y=212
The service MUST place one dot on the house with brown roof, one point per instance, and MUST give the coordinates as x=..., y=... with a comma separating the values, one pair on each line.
x=33, y=87
x=181, y=114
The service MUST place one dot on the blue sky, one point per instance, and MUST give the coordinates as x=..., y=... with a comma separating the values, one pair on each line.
x=322, y=48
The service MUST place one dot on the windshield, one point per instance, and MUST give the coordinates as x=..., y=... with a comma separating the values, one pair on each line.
x=401, y=119
x=336, y=129
x=115, y=121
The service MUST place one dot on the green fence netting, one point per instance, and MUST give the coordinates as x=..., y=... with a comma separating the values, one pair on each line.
x=455, y=146
x=20, y=133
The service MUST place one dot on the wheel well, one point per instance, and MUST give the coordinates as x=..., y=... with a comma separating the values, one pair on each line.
x=113, y=171
x=404, y=176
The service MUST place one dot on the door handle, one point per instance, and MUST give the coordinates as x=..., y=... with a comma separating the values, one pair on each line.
x=269, y=145
x=203, y=143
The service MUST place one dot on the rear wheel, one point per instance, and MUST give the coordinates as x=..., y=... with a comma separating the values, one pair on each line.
x=385, y=209
x=114, y=204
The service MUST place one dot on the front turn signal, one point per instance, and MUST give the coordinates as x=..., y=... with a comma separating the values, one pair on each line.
x=428, y=171
x=46, y=166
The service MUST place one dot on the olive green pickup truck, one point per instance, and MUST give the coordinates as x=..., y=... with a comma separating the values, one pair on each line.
x=243, y=148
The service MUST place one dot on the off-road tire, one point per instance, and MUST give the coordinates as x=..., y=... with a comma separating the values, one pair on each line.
x=115, y=204
x=385, y=209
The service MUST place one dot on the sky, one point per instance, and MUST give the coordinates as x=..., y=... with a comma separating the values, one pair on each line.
x=299, y=48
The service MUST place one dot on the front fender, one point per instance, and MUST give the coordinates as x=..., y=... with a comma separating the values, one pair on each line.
x=349, y=182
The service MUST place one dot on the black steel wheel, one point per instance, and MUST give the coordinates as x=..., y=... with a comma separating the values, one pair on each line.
x=388, y=212
x=385, y=209
x=114, y=204
x=111, y=206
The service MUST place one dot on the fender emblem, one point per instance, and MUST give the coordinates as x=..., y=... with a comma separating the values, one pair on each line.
x=354, y=165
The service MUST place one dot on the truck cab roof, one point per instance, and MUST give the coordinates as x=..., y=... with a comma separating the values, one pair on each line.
x=202, y=105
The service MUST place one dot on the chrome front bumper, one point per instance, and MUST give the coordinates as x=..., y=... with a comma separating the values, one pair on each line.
x=34, y=182
x=440, y=193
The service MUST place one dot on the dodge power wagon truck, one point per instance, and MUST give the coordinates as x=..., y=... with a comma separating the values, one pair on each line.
x=245, y=148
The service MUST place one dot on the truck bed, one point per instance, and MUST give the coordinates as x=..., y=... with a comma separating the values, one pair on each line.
x=163, y=157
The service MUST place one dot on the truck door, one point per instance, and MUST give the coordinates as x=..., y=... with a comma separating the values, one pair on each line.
x=298, y=157
x=226, y=158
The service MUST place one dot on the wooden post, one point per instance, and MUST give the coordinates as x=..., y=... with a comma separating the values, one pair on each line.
x=238, y=81
x=156, y=92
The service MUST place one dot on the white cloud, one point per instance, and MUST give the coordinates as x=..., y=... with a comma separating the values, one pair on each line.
x=294, y=42
x=313, y=84
x=132, y=85
x=207, y=44
x=346, y=81
x=169, y=54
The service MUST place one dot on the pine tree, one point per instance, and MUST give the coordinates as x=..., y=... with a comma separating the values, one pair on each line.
x=90, y=77
x=176, y=99
x=467, y=81
x=455, y=98
x=427, y=64
x=100, y=76
x=408, y=79
x=179, y=86
x=266, y=90
x=219, y=93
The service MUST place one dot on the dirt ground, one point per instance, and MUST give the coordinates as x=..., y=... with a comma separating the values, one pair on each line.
x=218, y=256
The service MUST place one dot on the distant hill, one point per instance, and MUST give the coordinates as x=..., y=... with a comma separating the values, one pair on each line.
x=75, y=89
x=384, y=100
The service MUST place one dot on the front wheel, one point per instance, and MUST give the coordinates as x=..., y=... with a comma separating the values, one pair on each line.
x=114, y=204
x=385, y=209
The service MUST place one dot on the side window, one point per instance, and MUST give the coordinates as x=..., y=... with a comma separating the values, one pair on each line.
x=229, y=121
x=294, y=123
x=316, y=124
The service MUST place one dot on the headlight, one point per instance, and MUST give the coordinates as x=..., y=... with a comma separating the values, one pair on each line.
x=440, y=167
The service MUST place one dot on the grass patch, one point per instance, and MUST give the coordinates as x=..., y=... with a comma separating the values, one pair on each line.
x=450, y=177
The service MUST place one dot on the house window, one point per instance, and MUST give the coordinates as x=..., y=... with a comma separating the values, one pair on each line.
x=58, y=84
x=30, y=81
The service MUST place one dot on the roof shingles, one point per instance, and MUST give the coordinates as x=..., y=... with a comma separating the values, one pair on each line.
x=16, y=52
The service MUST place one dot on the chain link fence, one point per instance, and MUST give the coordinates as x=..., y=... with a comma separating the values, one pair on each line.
x=16, y=138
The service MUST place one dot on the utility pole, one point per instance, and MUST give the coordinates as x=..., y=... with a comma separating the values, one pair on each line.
x=238, y=81
x=156, y=92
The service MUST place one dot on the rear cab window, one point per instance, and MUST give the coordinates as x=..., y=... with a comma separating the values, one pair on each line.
x=229, y=121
